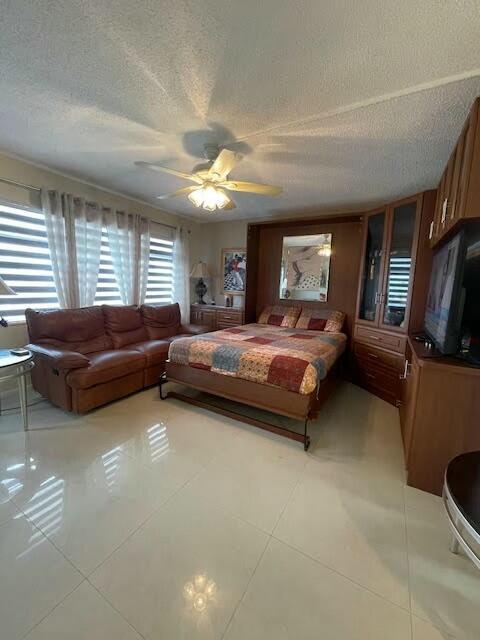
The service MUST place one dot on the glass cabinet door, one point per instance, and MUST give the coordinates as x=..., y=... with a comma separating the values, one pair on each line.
x=399, y=265
x=372, y=268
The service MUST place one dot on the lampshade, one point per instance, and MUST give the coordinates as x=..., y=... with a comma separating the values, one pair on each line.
x=5, y=289
x=200, y=270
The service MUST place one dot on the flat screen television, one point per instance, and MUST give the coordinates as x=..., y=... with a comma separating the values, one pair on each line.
x=443, y=315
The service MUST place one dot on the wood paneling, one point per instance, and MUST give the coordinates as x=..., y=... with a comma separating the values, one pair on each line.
x=264, y=260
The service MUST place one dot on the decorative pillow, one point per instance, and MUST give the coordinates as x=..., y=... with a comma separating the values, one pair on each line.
x=321, y=320
x=335, y=322
x=280, y=316
x=312, y=319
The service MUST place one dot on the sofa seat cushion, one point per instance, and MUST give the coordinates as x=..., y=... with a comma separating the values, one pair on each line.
x=154, y=351
x=105, y=366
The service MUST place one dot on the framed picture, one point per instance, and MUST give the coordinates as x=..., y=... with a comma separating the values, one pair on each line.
x=305, y=267
x=234, y=270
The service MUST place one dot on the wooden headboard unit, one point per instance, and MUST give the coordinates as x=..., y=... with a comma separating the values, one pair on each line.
x=264, y=253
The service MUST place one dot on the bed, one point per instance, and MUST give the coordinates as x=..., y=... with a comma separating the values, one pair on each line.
x=289, y=371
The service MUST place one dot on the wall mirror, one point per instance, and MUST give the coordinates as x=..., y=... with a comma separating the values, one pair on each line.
x=305, y=267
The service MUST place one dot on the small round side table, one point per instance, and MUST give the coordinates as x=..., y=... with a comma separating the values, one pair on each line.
x=16, y=367
x=461, y=497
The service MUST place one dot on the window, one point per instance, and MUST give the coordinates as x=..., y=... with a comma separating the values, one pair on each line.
x=107, y=288
x=160, y=266
x=25, y=263
x=398, y=281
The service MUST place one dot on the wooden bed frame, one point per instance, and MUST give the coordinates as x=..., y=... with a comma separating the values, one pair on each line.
x=274, y=399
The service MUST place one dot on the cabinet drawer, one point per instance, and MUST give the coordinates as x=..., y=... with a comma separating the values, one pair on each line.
x=385, y=340
x=391, y=360
x=381, y=380
x=229, y=317
x=226, y=324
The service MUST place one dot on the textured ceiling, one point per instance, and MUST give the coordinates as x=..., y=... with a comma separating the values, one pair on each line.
x=344, y=104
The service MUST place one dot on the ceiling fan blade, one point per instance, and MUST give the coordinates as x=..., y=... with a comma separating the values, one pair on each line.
x=231, y=205
x=173, y=172
x=179, y=192
x=224, y=163
x=252, y=187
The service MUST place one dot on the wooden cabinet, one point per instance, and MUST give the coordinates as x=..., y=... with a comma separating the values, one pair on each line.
x=458, y=194
x=388, y=265
x=216, y=317
x=439, y=416
x=392, y=290
x=199, y=315
x=378, y=371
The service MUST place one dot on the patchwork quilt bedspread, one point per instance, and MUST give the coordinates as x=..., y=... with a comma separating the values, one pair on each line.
x=293, y=359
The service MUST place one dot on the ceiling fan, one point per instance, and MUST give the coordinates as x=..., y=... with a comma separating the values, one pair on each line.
x=211, y=180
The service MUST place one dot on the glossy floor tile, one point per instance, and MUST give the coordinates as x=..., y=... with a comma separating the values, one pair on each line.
x=422, y=630
x=88, y=515
x=34, y=577
x=253, y=480
x=292, y=597
x=154, y=578
x=82, y=615
x=190, y=525
x=445, y=588
x=351, y=518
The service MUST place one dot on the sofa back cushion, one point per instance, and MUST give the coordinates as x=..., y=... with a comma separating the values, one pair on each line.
x=161, y=321
x=81, y=330
x=124, y=325
x=280, y=315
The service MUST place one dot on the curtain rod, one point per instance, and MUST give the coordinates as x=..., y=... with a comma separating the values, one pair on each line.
x=32, y=188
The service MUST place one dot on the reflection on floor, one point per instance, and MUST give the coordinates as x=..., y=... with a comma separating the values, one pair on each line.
x=160, y=520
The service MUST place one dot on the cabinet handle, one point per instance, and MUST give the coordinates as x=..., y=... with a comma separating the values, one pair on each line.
x=444, y=211
x=369, y=375
x=452, y=214
x=406, y=371
x=372, y=355
x=430, y=232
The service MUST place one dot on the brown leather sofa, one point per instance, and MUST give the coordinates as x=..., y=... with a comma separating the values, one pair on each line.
x=87, y=357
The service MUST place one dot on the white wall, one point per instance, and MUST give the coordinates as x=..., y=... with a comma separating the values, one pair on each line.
x=15, y=335
x=214, y=237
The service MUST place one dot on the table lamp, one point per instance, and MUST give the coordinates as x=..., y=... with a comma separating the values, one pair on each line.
x=200, y=271
x=5, y=291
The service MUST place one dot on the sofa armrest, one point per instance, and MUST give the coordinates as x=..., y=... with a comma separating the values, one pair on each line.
x=194, y=329
x=58, y=358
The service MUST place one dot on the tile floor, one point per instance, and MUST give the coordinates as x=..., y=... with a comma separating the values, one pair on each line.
x=112, y=524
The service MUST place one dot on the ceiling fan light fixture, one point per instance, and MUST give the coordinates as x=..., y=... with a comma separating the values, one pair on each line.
x=196, y=197
x=209, y=198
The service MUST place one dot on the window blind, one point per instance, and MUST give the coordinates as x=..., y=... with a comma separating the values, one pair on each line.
x=160, y=266
x=107, y=288
x=25, y=263
x=398, y=281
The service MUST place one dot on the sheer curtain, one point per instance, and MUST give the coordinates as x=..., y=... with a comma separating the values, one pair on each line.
x=58, y=211
x=128, y=239
x=181, y=271
x=88, y=245
x=143, y=244
x=74, y=240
